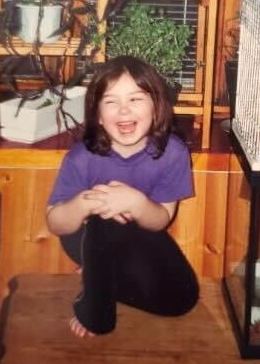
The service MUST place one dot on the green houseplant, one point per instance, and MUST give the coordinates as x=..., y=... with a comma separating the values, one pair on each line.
x=156, y=39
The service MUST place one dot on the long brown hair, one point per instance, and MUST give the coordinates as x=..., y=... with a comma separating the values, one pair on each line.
x=147, y=78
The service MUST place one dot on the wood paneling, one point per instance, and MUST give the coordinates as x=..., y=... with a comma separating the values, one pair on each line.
x=215, y=224
x=201, y=221
x=188, y=227
x=26, y=245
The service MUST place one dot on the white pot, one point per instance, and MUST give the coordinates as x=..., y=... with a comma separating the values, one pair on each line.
x=29, y=18
x=32, y=123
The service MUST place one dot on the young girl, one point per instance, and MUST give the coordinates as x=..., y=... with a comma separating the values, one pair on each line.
x=115, y=195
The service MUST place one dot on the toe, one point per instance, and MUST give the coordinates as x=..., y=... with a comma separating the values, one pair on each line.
x=78, y=329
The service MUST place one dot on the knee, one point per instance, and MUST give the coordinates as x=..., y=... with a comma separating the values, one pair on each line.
x=179, y=300
x=184, y=300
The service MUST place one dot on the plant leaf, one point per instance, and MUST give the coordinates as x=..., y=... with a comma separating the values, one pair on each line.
x=65, y=27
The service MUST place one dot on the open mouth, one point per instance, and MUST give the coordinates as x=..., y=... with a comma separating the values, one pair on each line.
x=126, y=127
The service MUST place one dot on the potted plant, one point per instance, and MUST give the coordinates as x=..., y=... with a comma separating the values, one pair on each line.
x=39, y=20
x=82, y=14
x=44, y=116
x=150, y=36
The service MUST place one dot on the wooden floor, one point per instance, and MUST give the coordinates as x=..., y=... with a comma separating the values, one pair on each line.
x=35, y=330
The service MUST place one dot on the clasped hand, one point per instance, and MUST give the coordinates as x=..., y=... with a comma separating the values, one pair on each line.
x=116, y=200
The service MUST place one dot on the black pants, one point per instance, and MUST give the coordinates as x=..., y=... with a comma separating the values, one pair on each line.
x=126, y=263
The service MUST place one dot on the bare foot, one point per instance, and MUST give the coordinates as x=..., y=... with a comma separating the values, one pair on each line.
x=78, y=329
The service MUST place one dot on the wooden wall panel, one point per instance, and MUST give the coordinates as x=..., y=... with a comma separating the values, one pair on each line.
x=26, y=244
x=16, y=207
x=43, y=251
x=201, y=221
x=26, y=178
x=188, y=227
x=215, y=224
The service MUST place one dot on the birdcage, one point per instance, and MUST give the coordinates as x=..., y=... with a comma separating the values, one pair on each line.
x=242, y=255
x=246, y=124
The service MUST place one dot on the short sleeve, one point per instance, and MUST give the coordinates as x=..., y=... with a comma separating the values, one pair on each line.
x=175, y=182
x=69, y=181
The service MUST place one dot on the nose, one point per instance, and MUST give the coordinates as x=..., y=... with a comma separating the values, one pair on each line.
x=124, y=108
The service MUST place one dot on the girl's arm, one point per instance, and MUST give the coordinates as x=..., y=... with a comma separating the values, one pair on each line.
x=67, y=217
x=118, y=198
x=153, y=216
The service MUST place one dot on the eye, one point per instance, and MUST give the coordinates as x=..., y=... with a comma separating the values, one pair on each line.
x=136, y=99
x=107, y=102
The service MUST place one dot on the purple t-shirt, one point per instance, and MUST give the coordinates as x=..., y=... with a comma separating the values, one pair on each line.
x=165, y=179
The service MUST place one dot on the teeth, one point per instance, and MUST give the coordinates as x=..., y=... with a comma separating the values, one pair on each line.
x=122, y=123
x=126, y=127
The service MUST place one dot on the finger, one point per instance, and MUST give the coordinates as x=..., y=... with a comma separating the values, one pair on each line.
x=94, y=195
x=103, y=188
x=92, y=192
x=106, y=216
x=127, y=216
x=120, y=219
x=115, y=183
x=100, y=210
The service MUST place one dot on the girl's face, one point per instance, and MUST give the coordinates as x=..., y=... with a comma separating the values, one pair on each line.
x=126, y=112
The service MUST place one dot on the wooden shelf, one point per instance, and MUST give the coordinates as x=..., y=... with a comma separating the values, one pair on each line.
x=63, y=47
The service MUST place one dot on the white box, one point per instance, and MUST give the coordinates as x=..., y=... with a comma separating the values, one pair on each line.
x=32, y=123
